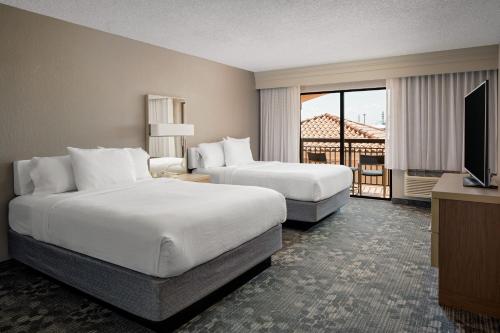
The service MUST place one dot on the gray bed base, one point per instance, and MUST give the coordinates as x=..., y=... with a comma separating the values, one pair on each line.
x=308, y=211
x=145, y=296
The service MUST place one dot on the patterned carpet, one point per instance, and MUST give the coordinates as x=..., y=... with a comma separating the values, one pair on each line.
x=364, y=269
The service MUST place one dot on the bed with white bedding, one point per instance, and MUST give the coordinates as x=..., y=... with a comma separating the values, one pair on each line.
x=296, y=181
x=312, y=191
x=150, y=226
x=151, y=247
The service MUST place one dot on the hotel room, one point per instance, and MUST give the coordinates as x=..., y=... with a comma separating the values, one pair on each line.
x=248, y=166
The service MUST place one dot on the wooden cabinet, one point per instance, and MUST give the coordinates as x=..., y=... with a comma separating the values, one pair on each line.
x=434, y=232
x=466, y=245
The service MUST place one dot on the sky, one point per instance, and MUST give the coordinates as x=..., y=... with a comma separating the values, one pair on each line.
x=357, y=103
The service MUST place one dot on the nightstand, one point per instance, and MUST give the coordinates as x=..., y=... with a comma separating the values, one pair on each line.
x=189, y=177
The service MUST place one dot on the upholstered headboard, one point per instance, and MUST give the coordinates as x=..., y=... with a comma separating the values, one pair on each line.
x=22, y=179
x=194, y=158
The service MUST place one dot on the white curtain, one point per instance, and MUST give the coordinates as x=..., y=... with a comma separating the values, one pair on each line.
x=425, y=117
x=280, y=124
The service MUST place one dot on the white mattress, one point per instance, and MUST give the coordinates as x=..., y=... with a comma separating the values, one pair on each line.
x=297, y=181
x=160, y=227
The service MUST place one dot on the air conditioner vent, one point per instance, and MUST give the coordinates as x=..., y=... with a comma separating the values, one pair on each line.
x=419, y=183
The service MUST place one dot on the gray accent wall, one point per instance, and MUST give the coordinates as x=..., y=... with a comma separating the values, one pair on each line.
x=66, y=85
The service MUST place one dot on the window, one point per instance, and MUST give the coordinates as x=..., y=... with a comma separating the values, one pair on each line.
x=348, y=127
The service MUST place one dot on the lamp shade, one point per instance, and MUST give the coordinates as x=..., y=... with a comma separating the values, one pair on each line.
x=167, y=129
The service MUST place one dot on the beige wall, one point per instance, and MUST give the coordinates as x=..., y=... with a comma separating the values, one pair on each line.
x=460, y=60
x=398, y=186
x=343, y=86
x=65, y=85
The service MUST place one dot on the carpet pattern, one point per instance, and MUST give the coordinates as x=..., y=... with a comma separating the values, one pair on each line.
x=363, y=269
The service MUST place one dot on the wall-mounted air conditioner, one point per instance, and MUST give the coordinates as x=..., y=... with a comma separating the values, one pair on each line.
x=419, y=183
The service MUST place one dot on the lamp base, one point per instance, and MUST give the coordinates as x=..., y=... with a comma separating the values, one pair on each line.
x=469, y=181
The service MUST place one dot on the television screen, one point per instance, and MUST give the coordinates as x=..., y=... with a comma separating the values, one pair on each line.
x=476, y=134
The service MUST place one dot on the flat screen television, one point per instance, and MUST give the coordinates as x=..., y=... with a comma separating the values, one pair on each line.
x=476, y=137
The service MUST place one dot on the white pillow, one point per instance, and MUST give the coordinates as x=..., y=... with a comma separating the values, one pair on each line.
x=97, y=168
x=237, y=151
x=52, y=174
x=140, y=158
x=212, y=154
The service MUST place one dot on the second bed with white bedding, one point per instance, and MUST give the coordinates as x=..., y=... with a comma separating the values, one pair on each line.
x=160, y=227
x=296, y=181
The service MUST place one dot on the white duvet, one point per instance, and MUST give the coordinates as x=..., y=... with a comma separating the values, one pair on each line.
x=160, y=227
x=297, y=181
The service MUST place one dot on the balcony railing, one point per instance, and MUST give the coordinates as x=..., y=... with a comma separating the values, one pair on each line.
x=353, y=148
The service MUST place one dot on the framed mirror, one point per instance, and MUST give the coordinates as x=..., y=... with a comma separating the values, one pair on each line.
x=166, y=132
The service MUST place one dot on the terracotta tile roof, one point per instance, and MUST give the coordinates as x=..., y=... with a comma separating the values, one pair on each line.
x=328, y=126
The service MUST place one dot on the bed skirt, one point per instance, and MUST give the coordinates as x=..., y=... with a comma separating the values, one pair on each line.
x=146, y=296
x=309, y=211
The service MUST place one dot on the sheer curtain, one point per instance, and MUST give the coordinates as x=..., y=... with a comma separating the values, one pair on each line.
x=425, y=117
x=280, y=124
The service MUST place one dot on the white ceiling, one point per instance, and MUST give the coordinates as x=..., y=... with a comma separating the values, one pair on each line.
x=260, y=35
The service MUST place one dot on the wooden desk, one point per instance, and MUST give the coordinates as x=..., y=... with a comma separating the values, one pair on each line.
x=465, y=245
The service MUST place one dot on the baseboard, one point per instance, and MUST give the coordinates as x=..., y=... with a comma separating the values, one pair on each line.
x=412, y=202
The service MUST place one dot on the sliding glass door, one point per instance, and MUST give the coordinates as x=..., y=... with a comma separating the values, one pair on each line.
x=320, y=128
x=348, y=128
